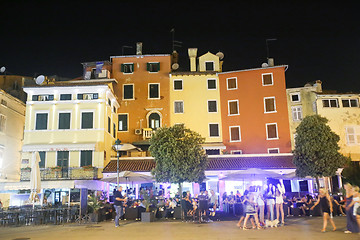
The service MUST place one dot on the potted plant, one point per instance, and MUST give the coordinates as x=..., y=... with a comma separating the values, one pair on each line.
x=148, y=201
x=56, y=169
x=88, y=168
x=94, y=206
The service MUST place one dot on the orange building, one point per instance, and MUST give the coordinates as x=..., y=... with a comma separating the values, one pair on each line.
x=254, y=111
x=143, y=93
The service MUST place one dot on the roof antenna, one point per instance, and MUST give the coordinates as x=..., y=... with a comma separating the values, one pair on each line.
x=123, y=48
x=174, y=42
x=267, y=46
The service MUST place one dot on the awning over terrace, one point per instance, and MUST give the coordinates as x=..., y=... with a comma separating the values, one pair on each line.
x=216, y=163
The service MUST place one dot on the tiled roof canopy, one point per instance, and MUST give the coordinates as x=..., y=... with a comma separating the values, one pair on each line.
x=215, y=163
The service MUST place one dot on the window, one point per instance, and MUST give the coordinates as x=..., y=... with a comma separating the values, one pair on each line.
x=42, y=159
x=235, y=134
x=295, y=97
x=3, y=102
x=114, y=109
x=267, y=79
x=109, y=125
x=214, y=130
x=64, y=97
x=123, y=122
x=271, y=131
x=211, y=84
x=233, y=107
x=45, y=97
x=231, y=83
x=236, y=151
x=212, y=151
x=154, y=120
x=330, y=103
x=85, y=158
x=154, y=91
x=41, y=121
x=273, y=150
x=209, y=66
x=64, y=120
x=350, y=102
x=296, y=112
x=109, y=102
x=2, y=122
x=153, y=67
x=127, y=68
x=178, y=84
x=353, y=135
x=128, y=91
x=212, y=106
x=63, y=159
x=114, y=130
x=87, y=96
x=87, y=120
x=179, y=107
x=269, y=104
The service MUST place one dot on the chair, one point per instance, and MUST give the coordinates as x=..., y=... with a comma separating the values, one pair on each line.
x=203, y=209
x=186, y=212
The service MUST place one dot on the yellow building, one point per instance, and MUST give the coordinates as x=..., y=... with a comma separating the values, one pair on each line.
x=343, y=113
x=301, y=103
x=12, y=119
x=195, y=99
x=72, y=124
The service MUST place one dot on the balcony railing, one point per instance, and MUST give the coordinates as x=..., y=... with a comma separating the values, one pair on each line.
x=147, y=133
x=55, y=173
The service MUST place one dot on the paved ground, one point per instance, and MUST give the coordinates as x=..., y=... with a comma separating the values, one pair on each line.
x=296, y=228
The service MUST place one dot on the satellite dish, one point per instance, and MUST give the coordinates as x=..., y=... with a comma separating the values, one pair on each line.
x=264, y=65
x=175, y=66
x=2, y=69
x=220, y=55
x=40, y=79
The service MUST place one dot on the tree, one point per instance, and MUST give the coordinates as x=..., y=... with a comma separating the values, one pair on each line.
x=316, y=150
x=178, y=155
x=351, y=172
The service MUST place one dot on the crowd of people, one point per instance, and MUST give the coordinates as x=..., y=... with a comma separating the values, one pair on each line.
x=262, y=206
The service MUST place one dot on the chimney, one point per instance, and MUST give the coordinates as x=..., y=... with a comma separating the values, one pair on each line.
x=139, y=48
x=318, y=85
x=192, y=55
x=270, y=62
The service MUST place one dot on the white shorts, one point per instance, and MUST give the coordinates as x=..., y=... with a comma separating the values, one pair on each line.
x=279, y=200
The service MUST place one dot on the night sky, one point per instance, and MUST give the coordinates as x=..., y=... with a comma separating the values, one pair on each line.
x=317, y=40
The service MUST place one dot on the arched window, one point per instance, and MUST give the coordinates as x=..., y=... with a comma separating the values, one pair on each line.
x=154, y=120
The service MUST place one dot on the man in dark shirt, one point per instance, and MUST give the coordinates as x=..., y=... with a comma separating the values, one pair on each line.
x=118, y=205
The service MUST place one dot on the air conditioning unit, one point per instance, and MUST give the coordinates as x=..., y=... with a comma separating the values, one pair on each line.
x=138, y=131
x=104, y=74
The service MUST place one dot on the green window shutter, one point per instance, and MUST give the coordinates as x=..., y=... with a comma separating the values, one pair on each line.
x=148, y=67
x=122, y=67
x=158, y=66
x=132, y=67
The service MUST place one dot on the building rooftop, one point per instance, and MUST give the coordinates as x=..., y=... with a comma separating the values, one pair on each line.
x=221, y=162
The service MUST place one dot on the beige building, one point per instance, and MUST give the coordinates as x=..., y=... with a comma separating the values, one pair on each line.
x=343, y=113
x=301, y=103
x=12, y=120
x=341, y=109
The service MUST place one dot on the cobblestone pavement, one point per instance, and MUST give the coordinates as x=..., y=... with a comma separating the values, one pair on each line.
x=295, y=228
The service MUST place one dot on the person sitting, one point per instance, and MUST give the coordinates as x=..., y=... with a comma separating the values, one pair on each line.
x=169, y=208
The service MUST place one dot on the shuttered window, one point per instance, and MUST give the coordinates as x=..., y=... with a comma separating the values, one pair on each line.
x=127, y=68
x=269, y=104
x=87, y=120
x=86, y=158
x=153, y=67
x=233, y=107
x=64, y=120
x=41, y=121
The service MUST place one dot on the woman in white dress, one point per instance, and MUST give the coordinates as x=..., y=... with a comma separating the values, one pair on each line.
x=279, y=199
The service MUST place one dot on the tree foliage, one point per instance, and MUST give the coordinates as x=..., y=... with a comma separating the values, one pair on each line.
x=178, y=155
x=351, y=172
x=316, y=150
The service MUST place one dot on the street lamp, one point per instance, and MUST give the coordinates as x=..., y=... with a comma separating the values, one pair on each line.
x=117, y=146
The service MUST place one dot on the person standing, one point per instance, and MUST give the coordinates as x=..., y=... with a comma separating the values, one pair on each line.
x=351, y=224
x=326, y=208
x=119, y=205
x=279, y=199
x=270, y=202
